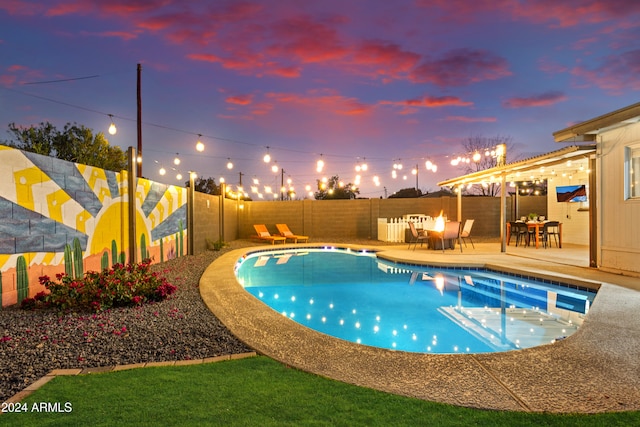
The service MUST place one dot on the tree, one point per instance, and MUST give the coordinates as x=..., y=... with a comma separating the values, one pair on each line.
x=406, y=193
x=333, y=188
x=478, y=146
x=75, y=144
x=205, y=185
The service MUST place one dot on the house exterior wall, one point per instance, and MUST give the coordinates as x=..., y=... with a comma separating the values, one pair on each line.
x=619, y=219
x=573, y=216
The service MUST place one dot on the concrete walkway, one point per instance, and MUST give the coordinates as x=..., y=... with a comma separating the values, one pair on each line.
x=595, y=370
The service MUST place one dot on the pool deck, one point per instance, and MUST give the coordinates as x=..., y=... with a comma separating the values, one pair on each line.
x=594, y=370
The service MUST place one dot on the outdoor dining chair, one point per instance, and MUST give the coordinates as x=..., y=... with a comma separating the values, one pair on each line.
x=466, y=232
x=416, y=236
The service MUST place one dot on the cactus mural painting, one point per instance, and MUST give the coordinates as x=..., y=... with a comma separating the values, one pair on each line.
x=104, y=263
x=78, y=269
x=23, y=278
x=72, y=218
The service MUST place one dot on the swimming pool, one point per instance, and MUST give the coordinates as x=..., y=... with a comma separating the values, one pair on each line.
x=356, y=296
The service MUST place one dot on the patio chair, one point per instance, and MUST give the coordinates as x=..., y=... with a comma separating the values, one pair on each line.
x=451, y=231
x=416, y=236
x=263, y=234
x=550, y=228
x=466, y=232
x=521, y=231
x=284, y=231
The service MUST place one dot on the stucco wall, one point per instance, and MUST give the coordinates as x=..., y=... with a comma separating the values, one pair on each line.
x=619, y=233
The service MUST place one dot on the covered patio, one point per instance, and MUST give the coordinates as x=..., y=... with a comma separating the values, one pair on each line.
x=557, y=165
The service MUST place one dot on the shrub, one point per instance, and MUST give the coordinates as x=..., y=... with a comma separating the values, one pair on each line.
x=121, y=286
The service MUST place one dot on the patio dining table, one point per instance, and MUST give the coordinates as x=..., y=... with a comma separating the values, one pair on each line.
x=536, y=226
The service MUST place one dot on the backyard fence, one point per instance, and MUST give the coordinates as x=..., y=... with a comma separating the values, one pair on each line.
x=397, y=229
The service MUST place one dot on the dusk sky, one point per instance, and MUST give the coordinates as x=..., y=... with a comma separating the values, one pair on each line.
x=381, y=82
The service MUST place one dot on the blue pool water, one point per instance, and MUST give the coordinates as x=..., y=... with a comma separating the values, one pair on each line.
x=355, y=296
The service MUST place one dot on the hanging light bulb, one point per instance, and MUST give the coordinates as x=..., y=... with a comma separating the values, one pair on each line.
x=267, y=156
x=229, y=164
x=199, y=144
x=112, y=126
x=179, y=176
x=162, y=171
x=176, y=161
x=319, y=164
x=274, y=168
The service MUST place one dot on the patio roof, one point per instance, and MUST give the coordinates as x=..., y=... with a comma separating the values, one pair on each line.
x=512, y=170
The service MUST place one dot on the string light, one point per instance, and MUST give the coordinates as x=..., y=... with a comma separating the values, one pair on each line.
x=199, y=144
x=112, y=127
x=267, y=156
x=176, y=161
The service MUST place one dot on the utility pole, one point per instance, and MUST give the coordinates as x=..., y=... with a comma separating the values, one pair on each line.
x=240, y=178
x=139, y=99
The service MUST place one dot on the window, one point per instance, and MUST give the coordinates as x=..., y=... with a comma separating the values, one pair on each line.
x=632, y=172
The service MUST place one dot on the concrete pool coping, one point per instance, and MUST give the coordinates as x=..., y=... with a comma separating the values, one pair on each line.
x=594, y=370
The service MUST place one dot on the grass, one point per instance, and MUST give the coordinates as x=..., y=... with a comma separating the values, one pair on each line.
x=256, y=391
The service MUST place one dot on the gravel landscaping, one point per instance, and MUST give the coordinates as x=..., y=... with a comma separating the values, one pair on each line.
x=32, y=343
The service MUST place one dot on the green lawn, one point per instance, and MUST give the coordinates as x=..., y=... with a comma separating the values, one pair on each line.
x=255, y=391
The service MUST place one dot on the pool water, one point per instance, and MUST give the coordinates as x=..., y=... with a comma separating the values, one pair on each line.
x=355, y=296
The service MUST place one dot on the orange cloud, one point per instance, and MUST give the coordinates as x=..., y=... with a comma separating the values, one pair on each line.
x=542, y=100
x=461, y=67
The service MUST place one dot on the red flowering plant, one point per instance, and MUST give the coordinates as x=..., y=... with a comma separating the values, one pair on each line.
x=120, y=286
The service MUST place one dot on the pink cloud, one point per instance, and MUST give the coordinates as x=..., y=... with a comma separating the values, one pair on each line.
x=618, y=72
x=240, y=99
x=542, y=100
x=439, y=101
x=324, y=100
x=555, y=13
x=410, y=106
x=461, y=67
x=387, y=58
x=123, y=35
x=471, y=119
x=307, y=40
x=546, y=65
x=288, y=72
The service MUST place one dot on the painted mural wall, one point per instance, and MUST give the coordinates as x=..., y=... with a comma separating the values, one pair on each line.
x=62, y=217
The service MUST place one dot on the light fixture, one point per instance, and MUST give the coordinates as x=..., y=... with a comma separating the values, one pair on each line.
x=274, y=168
x=162, y=171
x=112, y=126
x=229, y=164
x=267, y=156
x=199, y=144
x=179, y=176
x=176, y=161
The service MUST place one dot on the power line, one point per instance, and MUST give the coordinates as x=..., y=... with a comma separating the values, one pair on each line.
x=61, y=80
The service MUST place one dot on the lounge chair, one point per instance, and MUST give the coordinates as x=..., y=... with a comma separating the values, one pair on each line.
x=263, y=234
x=284, y=231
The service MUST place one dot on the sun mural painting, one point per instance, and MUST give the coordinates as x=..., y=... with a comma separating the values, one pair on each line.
x=57, y=216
